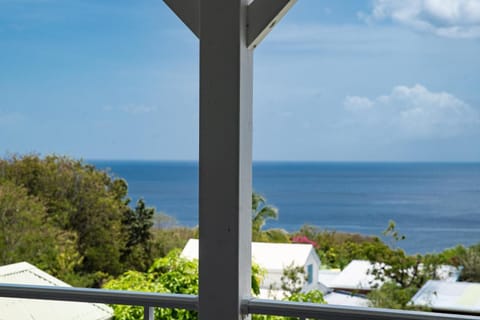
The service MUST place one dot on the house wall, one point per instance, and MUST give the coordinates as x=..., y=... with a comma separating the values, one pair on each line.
x=315, y=262
x=273, y=278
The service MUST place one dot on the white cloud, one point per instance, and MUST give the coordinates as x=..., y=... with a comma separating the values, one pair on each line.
x=354, y=103
x=414, y=112
x=447, y=18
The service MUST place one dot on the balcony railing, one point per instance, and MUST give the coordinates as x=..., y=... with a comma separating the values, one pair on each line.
x=149, y=301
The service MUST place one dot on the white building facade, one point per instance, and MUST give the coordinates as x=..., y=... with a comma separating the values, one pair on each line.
x=274, y=258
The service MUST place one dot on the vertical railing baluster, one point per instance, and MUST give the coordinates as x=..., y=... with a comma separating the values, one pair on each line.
x=148, y=313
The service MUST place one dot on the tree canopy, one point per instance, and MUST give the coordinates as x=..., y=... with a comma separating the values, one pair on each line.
x=24, y=229
x=84, y=211
x=77, y=223
x=173, y=274
x=261, y=212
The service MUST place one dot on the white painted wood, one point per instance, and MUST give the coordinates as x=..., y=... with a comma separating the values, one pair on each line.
x=226, y=76
x=225, y=161
x=263, y=15
x=332, y=312
x=254, y=306
x=132, y=298
x=148, y=313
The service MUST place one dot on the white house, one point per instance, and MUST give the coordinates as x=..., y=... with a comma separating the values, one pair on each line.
x=357, y=276
x=346, y=299
x=326, y=278
x=19, y=309
x=448, y=296
x=274, y=258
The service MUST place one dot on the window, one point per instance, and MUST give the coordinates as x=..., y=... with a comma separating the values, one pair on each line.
x=310, y=274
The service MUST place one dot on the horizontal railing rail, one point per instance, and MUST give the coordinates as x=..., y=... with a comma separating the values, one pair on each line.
x=149, y=301
x=305, y=310
x=133, y=298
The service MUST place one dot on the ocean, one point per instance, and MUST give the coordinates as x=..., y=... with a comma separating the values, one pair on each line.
x=435, y=205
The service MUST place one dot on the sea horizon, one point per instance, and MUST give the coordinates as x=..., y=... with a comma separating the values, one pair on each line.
x=435, y=204
x=106, y=160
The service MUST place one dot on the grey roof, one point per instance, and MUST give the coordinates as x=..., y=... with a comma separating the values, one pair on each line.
x=31, y=309
x=461, y=297
x=345, y=299
x=356, y=276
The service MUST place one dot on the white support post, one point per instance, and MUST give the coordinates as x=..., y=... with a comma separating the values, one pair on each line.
x=225, y=175
x=226, y=76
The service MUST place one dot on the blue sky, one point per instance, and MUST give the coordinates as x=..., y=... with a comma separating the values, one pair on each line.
x=353, y=80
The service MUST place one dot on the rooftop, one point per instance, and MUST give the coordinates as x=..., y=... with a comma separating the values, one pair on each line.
x=271, y=256
x=461, y=297
x=356, y=276
x=19, y=309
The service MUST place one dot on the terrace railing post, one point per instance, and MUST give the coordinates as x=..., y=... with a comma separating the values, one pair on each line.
x=189, y=302
x=148, y=313
x=229, y=30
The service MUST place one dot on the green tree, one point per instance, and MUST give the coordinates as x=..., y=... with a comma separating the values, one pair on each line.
x=404, y=270
x=313, y=296
x=170, y=274
x=275, y=236
x=91, y=207
x=167, y=239
x=403, y=275
x=337, y=249
x=68, y=259
x=25, y=234
x=391, y=296
x=293, y=277
x=138, y=224
x=469, y=260
x=261, y=212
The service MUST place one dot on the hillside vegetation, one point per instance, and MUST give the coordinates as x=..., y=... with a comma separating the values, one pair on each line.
x=78, y=223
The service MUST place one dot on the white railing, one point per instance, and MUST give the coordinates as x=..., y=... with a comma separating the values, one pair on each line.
x=149, y=301
x=304, y=310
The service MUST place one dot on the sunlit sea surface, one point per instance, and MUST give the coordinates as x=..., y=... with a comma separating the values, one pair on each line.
x=436, y=205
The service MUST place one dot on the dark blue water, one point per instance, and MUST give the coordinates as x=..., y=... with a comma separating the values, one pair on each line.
x=436, y=205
